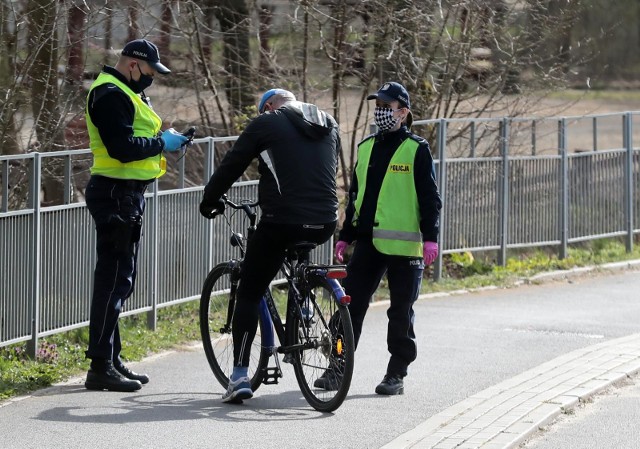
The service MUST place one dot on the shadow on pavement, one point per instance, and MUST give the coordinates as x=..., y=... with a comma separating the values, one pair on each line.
x=179, y=406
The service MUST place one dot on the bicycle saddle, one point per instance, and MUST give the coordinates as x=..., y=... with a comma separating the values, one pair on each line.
x=300, y=249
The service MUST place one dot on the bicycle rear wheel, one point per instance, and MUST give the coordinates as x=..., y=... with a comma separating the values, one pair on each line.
x=216, y=317
x=329, y=334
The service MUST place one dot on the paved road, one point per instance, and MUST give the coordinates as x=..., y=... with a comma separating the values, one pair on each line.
x=473, y=349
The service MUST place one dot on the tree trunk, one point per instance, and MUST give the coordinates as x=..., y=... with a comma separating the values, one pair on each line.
x=233, y=16
x=9, y=143
x=133, y=30
x=108, y=35
x=164, y=41
x=44, y=93
x=264, y=34
x=75, y=32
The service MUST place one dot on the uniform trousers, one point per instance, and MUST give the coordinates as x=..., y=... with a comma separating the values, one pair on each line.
x=404, y=275
x=117, y=207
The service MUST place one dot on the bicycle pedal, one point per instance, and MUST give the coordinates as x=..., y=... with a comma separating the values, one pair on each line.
x=271, y=375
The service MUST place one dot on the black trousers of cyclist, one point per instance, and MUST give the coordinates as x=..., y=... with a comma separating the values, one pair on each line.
x=404, y=274
x=117, y=207
x=263, y=260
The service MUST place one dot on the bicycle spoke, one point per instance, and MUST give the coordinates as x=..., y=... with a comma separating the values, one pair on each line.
x=215, y=329
x=329, y=335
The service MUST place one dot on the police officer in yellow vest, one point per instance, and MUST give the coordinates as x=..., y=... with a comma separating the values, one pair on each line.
x=392, y=218
x=127, y=147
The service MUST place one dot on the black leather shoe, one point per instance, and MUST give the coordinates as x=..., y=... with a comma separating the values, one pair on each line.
x=330, y=380
x=110, y=379
x=126, y=372
x=390, y=385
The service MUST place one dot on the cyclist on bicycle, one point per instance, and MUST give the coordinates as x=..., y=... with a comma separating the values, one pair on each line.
x=297, y=147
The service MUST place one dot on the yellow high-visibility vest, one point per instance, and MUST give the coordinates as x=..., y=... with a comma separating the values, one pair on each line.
x=146, y=123
x=396, y=230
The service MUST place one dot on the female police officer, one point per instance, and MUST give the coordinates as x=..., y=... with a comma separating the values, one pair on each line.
x=392, y=217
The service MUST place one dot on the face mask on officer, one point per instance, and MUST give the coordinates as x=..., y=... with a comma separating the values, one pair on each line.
x=384, y=119
x=142, y=83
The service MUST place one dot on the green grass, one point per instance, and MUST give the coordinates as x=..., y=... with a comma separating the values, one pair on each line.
x=61, y=356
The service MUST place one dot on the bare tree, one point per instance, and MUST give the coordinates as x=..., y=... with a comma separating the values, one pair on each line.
x=164, y=40
x=8, y=36
x=43, y=23
x=133, y=28
x=75, y=31
x=458, y=58
x=233, y=16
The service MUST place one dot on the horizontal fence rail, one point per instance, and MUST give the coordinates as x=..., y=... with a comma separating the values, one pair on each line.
x=506, y=183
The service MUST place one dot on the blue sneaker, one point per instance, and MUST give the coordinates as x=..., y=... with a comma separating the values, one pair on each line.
x=237, y=391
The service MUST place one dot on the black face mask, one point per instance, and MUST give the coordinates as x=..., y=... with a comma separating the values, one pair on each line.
x=144, y=82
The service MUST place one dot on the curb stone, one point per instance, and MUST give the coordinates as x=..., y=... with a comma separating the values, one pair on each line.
x=507, y=414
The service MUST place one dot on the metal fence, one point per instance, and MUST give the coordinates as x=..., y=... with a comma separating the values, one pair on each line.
x=505, y=183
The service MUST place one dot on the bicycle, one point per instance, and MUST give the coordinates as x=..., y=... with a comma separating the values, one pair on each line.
x=316, y=335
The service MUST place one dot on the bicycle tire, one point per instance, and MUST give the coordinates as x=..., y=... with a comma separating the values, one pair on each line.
x=217, y=341
x=330, y=326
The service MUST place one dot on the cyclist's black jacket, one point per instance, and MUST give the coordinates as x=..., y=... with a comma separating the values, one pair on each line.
x=384, y=147
x=297, y=147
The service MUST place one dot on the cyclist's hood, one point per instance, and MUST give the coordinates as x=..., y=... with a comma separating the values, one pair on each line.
x=309, y=119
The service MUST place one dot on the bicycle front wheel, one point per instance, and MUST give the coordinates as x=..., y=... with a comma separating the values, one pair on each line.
x=216, y=316
x=324, y=370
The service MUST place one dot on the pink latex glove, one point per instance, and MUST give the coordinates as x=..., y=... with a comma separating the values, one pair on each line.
x=341, y=245
x=429, y=252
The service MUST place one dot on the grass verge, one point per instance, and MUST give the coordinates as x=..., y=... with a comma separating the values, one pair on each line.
x=61, y=356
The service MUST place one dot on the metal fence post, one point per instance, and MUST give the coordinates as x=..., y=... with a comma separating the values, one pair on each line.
x=210, y=157
x=628, y=179
x=504, y=192
x=564, y=188
x=442, y=186
x=36, y=255
x=152, y=315
x=533, y=138
x=472, y=138
x=68, y=191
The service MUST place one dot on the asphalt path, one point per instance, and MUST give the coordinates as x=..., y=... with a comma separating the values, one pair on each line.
x=467, y=343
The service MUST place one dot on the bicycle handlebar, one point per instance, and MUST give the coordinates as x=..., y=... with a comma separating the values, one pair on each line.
x=246, y=206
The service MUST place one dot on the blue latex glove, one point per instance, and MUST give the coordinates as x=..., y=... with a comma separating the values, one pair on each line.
x=173, y=140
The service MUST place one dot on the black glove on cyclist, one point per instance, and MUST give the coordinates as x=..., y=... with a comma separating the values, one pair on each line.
x=209, y=210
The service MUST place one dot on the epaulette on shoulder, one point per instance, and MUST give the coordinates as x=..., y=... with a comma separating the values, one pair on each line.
x=105, y=89
x=370, y=136
x=421, y=140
